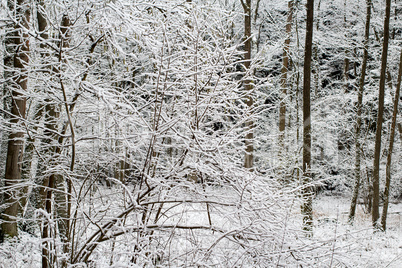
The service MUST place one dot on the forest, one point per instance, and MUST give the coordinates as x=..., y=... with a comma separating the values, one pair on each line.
x=200, y=133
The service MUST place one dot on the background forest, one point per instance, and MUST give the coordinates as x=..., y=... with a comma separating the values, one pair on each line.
x=203, y=133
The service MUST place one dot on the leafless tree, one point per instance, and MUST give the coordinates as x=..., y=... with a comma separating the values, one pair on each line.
x=359, y=116
x=248, y=159
x=307, y=207
x=391, y=148
x=377, y=153
x=15, y=61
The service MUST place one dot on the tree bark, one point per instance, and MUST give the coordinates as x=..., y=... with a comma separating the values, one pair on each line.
x=359, y=116
x=346, y=61
x=50, y=118
x=390, y=149
x=307, y=207
x=29, y=165
x=284, y=77
x=377, y=152
x=53, y=181
x=396, y=19
x=15, y=61
x=400, y=131
x=63, y=185
x=248, y=159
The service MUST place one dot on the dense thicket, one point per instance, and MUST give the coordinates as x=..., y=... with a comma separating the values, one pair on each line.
x=170, y=133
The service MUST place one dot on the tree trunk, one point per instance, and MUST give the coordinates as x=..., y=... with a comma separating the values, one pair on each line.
x=47, y=246
x=346, y=61
x=29, y=165
x=63, y=185
x=307, y=207
x=284, y=78
x=54, y=180
x=248, y=159
x=377, y=152
x=50, y=117
x=391, y=147
x=400, y=131
x=396, y=19
x=359, y=117
x=15, y=61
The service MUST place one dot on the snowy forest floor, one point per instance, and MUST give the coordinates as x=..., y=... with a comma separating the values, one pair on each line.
x=382, y=249
x=335, y=243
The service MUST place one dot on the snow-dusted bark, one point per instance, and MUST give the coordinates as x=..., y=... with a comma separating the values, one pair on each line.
x=380, y=114
x=248, y=86
x=359, y=117
x=16, y=62
x=307, y=208
x=390, y=149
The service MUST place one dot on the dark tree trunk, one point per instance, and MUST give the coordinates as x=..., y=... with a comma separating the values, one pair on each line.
x=248, y=159
x=359, y=117
x=15, y=61
x=390, y=149
x=307, y=207
x=284, y=71
x=377, y=152
x=54, y=202
x=39, y=109
x=400, y=131
x=51, y=115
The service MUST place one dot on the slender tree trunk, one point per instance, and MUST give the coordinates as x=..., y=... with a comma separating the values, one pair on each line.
x=54, y=180
x=307, y=207
x=49, y=184
x=390, y=149
x=346, y=64
x=284, y=77
x=396, y=19
x=47, y=246
x=50, y=117
x=45, y=57
x=400, y=131
x=346, y=61
x=359, y=117
x=15, y=61
x=30, y=162
x=318, y=15
x=377, y=152
x=63, y=185
x=248, y=159
x=30, y=165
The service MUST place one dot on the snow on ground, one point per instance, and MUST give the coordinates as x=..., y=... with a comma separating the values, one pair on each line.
x=335, y=243
x=358, y=245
